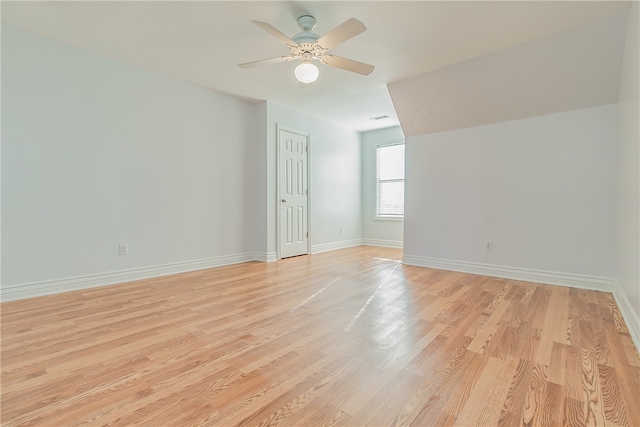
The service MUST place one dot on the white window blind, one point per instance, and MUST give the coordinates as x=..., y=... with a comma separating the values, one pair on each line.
x=390, y=176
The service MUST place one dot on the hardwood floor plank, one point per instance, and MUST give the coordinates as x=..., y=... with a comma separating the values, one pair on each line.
x=543, y=401
x=633, y=357
x=498, y=298
x=607, y=303
x=628, y=378
x=573, y=386
x=556, y=371
x=450, y=389
x=485, y=402
x=349, y=337
x=554, y=328
x=593, y=407
x=513, y=405
x=573, y=413
x=612, y=402
x=538, y=308
x=386, y=405
x=559, y=313
x=385, y=374
x=490, y=328
x=327, y=416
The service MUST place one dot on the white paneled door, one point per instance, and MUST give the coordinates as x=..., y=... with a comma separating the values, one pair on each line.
x=293, y=192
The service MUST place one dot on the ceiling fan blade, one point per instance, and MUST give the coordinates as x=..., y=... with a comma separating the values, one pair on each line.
x=341, y=33
x=347, y=64
x=266, y=62
x=275, y=32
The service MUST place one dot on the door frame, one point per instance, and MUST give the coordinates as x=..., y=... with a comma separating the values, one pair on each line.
x=307, y=135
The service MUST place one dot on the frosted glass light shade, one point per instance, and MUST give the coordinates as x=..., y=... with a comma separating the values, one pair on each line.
x=306, y=72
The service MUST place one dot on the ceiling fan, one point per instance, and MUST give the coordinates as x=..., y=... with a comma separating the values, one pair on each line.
x=308, y=47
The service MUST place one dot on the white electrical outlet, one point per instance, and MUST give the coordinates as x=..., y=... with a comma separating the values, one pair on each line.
x=123, y=249
x=488, y=246
x=340, y=230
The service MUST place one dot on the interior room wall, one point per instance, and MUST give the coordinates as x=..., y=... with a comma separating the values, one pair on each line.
x=541, y=189
x=335, y=181
x=258, y=193
x=377, y=232
x=97, y=153
x=628, y=185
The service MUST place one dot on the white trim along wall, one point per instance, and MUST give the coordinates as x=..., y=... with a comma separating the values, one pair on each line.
x=592, y=283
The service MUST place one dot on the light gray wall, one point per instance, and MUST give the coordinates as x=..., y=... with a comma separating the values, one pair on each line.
x=335, y=187
x=628, y=188
x=259, y=195
x=97, y=153
x=377, y=232
x=541, y=189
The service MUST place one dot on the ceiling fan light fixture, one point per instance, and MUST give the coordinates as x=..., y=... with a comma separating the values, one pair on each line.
x=306, y=72
x=309, y=47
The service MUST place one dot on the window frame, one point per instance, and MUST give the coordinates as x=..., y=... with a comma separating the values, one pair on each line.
x=386, y=217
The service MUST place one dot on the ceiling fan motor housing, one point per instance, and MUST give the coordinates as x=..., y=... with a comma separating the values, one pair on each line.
x=307, y=48
x=306, y=22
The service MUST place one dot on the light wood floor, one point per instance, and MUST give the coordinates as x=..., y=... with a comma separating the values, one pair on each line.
x=349, y=337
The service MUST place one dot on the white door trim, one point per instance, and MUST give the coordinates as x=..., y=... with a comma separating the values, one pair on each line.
x=307, y=135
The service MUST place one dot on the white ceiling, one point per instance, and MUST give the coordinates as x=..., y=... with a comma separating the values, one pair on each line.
x=201, y=42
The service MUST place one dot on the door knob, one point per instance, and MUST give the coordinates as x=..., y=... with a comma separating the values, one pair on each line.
x=284, y=200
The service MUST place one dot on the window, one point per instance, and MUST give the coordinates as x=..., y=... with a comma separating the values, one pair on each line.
x=390, y=176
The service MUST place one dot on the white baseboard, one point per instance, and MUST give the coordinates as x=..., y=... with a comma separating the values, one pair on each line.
x=49, y=287
x=383, y=243
x=631, y=318
x=264, y=256
x=272, y=256
x=335, y=245
x=28, y=290
x=525, y=274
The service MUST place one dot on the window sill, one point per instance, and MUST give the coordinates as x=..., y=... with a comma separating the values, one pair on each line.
x=389, y=218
